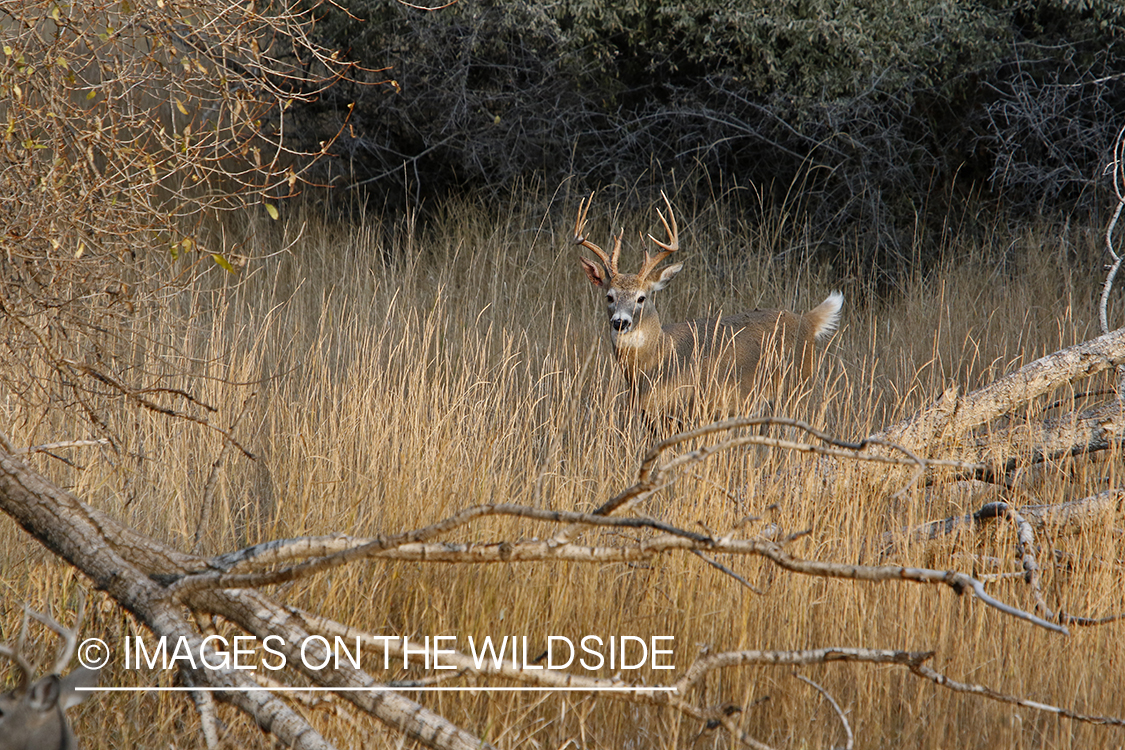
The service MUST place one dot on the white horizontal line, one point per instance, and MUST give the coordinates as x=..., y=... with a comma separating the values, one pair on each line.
x=375, y=689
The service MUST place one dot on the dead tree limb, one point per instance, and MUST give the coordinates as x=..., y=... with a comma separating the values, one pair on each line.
x=1117, y=169
x=973, y=689
x=1070, y=517
x=130, y=567
x=937, y=430
x=161, y=586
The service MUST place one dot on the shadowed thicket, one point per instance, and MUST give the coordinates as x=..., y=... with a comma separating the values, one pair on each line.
x=889, y=115
x=386, y=376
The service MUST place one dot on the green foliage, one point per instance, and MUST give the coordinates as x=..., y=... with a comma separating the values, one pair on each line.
x=824, y=49
x=871, y=107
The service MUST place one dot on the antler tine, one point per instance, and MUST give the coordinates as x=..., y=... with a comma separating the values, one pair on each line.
x=673, y=244
x=24, y=669
x=69, y=635
x=610, y=262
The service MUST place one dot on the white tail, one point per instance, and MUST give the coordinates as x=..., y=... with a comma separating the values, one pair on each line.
x=32, y=715
x=712, y=363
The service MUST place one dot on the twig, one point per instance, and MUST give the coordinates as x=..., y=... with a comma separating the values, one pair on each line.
x=963, y=687
x=1072, y=513
x=1026, y=539
x=850, y=742
x=55, y=446
x=1026, y=520
x=651, y=474
x=212, y=482
x=1117, y=166
x=724, y=569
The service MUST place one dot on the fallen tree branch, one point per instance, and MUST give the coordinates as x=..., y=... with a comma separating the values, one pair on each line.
x=158, y=584
x=936, y=430
x=1025, y=537
x=399, y=547
x=129, y=567
x=1070, y=517
x=965, y=687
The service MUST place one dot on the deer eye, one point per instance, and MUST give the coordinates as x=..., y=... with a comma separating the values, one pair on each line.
x=641, y=300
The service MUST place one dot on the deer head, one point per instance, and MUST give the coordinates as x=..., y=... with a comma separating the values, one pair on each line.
x=629, y=296
x=33, y=714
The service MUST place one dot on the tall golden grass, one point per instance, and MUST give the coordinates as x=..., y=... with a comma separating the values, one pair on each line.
x=389, y=375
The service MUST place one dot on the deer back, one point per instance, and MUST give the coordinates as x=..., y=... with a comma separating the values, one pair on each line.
x=714, y=364
x=724, y=362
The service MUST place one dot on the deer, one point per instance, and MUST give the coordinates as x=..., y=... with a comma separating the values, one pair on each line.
x=715, y=366
x=33, y=714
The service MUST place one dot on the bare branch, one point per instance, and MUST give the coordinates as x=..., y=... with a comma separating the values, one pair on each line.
x=964, y=687
x=850, y=743
x=1117, y=168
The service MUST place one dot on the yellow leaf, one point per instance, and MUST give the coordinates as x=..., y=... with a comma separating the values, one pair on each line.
x=8, y=50
x=272, y=211
x=223, y=263
x=180, y=106
x=81, y=249
x=91, y=94
x=187, y=244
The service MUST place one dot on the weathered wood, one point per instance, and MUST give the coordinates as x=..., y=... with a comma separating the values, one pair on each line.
x=137, y=571
x=939, y=428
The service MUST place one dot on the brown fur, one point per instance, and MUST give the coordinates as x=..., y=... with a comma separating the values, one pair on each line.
x=715, y=366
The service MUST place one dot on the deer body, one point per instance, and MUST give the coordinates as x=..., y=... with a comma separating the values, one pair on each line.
x=711, y=365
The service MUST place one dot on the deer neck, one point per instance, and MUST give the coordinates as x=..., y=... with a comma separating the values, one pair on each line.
x=645, y=348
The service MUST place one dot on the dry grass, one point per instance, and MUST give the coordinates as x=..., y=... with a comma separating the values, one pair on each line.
x=392, y=376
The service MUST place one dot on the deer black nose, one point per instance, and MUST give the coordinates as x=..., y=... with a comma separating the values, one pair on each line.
x=620, y=324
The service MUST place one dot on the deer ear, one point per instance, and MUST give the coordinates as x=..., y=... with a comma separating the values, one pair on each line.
x=44, y=694
x=666, y=276
x=79, y=678
x=594, y=272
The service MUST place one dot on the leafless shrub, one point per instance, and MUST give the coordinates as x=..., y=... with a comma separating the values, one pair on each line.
x=128, y=128
x=1051, y=123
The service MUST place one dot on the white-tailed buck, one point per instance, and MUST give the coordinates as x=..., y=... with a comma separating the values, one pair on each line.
x=714, y=366
x=32, y=715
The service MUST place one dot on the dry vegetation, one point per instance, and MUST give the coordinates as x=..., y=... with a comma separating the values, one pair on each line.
x=385, y=377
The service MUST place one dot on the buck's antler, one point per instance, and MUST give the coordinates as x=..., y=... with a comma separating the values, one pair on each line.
x=16, y=657
x=66, y=650
x=69, y=635
x=33, y=714
x=673, y=244
x=610, y=262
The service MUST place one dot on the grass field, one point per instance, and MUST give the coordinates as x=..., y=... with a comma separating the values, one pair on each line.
x=386, y=376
